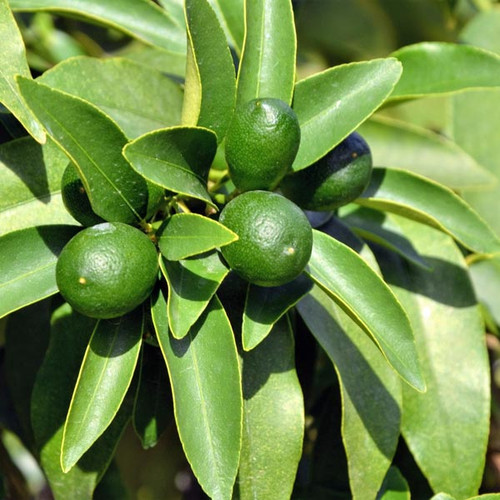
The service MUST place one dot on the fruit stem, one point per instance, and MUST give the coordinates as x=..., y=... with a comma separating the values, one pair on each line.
x=180, y=204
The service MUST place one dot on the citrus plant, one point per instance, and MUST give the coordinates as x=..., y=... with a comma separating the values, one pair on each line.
x=266, y=255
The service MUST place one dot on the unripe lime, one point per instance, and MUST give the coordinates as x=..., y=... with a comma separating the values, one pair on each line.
x=335, y=180
x=275, y=238
x=261, y=143
x=107, y=270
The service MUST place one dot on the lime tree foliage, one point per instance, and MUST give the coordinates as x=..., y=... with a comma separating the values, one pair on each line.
x=275, y=262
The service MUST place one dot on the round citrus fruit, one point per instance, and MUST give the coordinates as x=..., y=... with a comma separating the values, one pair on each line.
x=261, y=143
x=275, y=238
x=335, y=180
x=75, y=198
x=107, y=270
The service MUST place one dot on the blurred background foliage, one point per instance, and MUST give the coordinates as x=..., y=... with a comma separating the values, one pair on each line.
x=456, y=138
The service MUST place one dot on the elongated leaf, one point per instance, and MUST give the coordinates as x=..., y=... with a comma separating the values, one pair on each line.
x=425, y=201
x=103, y=381
x=485, y=275
x=137, y=98
x=26, y=340
x=14, y=63
x=368, y=300
x=153, y=409
x=267, y=66
x=431, y=68
x=207, y=393
x=94, y=143
x=175, y=9
x=331, y=104
x=381, y=228
x=273, y=418
x=141, y=19
x=264, y=306
x=231, y=15
x=191, y=285
x=185, y=235
x=28, y=260
x=210, y=89
x=176, y=158
x=448, y=330
x=54, y=385
x=395, y=486
x=30, y=176
x=371, y=393
x=398, y=144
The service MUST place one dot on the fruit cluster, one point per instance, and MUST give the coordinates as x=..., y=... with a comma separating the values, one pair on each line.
x=110, y=268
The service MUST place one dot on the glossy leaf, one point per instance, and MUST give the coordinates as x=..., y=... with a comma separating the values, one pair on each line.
x=191, y=285
x=273, y=410
x=485, y=275
x=30, y=176
x=264, y=306
x=176, y=158
x=267, y=66
x=175, y=9
x=395, y=486
x=210, y=88
x=28, y=260
x=93, y=142
x=332, y=104
x=51, y=397
x=14, y=63
x=137, y=98
x=153, y=409
x=370, y=389
x=430, y=203
x=398, y=144
x=368, y=300
x=26, y=340
x=449, y=333
x=185, y=235
x=431, y=68
x=231, y=17
x=141, y=19
x=206, y=388
x=381, y=228
x=103, y=381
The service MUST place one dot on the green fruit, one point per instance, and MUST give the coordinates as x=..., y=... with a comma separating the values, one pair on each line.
x=335, y=180
x=76, y=199
x=275, y=238
x=107, y=270
x=261, y=143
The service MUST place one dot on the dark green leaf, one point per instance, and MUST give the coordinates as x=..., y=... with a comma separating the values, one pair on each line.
x=30, y=176
x=27, y=264
x=210, y=88
x=431, y=68
x=94, y=143
x=267, y=66
x=273, y=418
x=185, y=235
x=381, y=228
x=14, y=63
x=430, y=203
x=26, y=340
x=450, y=341
x=103, y=381
x=206, y=388
x=153, y=410
x=191, y=285
x=51, y=397
x=141, y=19
x=398, y=144
x=331, y=104
x=176, y=158
x=394, y=487
x=368, y=300
x=137, y=98
x=264, y=306
x=371, y=393
x=231, y=15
